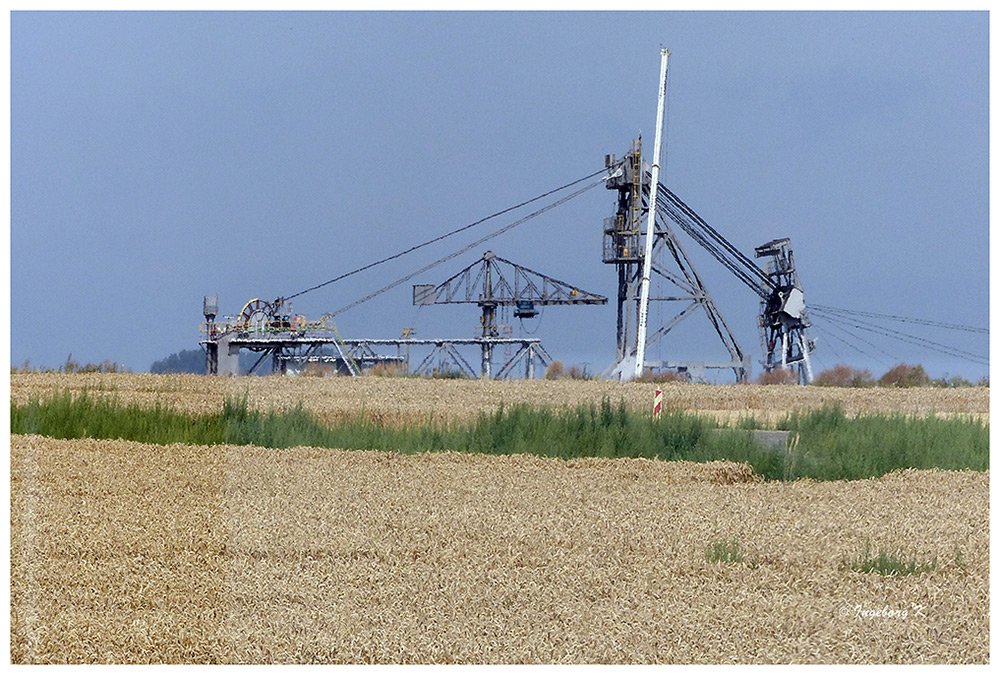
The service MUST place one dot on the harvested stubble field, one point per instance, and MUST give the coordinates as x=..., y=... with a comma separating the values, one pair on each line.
x=407, y=400
x=129, y=552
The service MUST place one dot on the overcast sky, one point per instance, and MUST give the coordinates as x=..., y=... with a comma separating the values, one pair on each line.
x=160, y=157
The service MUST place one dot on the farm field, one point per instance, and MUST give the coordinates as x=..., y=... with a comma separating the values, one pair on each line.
x=407, y=400
x=130, y=552
x=126, y=552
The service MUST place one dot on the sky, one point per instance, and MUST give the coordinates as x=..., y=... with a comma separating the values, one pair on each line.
x=160, y=157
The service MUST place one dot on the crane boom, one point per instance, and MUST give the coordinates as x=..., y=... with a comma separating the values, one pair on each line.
x=640, y=345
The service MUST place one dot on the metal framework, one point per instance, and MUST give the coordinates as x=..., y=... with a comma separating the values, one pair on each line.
x=631, y=180
x=492, y=282
x=352, y=356
x=272, y=329
x=783, y=313
x=783, y=320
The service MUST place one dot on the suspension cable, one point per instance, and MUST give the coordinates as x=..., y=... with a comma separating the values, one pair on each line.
x=899, y=335
x=697, y=220
x=902, y=319
x=443, y=236
x=465, y=249
x=906, y=337
x=855, y=347
x=836, y=354
x=689, y=227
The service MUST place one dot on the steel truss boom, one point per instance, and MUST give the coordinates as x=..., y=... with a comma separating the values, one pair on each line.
x=492, y=282
x=509, y=286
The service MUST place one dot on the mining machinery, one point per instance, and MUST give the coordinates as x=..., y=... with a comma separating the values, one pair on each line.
x=783, y=315
x=492, y=282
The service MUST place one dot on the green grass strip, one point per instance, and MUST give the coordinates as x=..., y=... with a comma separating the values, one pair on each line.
x=835, y=446
x=831, y=445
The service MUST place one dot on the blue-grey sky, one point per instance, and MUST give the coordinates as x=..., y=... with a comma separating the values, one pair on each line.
x=159, y=157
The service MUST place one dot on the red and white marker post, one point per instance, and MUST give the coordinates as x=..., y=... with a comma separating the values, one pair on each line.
x=657, y=403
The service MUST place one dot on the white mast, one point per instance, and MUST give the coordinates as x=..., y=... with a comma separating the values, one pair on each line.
x=640, y=338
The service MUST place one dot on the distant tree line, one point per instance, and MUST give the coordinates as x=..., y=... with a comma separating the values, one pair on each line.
x=184, y=361
x=193, y=361
x=841, y=375
x=901, y=375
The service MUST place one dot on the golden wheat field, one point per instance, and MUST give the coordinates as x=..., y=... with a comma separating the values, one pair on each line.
x=125, y=552
x=417, y=399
